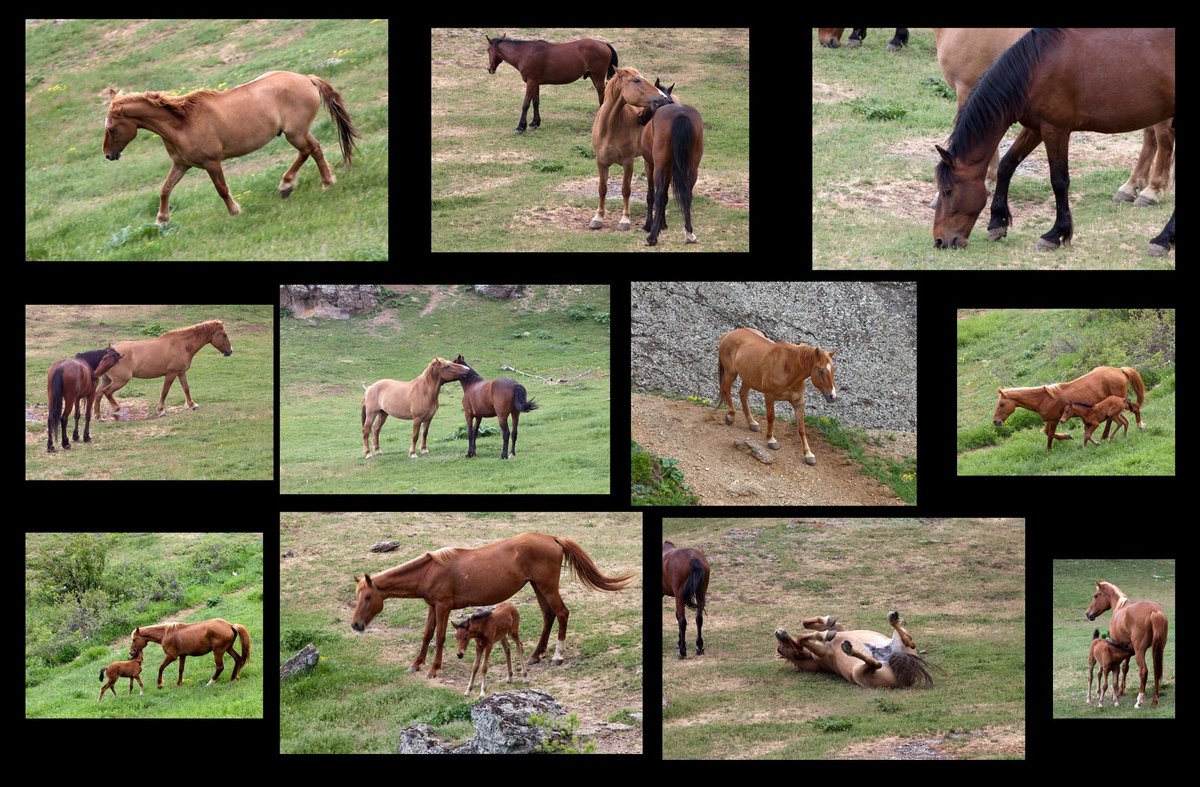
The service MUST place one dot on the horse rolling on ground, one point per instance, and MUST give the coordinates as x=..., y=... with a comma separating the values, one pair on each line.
x=1111, y=657
x=131, y=669
x=487, y=628
x=180, y=640
x=672, y=147
x=71, y=385
x=169, y=356
x=413, y=400
x=543, y=63
x=779, y=370
x=866, y=658
x=454, y=578
x=1048, y=401
x=685, y=577
x=1139, y=625
x=1106, y=411
x=203, y=128
x=496, y=398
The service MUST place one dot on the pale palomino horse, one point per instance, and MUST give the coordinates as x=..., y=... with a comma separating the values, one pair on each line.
x=413, y=400
x=203, y=128
x=863, y=657
x=617, y=133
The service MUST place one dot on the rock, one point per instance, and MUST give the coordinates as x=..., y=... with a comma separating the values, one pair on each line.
x=328, y=301
x=421, y=739
x=289, y=553
x=305, y=660
x=501, y=292
x=755, y=451
x=501, y=726
x=739, y=488
x=666, y=702
x=637, y=716
x=385, y=546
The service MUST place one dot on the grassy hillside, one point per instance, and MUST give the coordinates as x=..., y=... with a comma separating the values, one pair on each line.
x=1018, y=348
x=554, y=332
x=80, y=206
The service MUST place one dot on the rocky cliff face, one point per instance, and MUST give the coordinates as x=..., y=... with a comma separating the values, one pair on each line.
x=675, y=328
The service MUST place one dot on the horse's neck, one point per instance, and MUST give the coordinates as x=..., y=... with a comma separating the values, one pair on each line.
x=403, y=581
x=195, y=340
x=152, y=118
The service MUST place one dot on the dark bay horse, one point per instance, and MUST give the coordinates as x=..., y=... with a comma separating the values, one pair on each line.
x=487, y=628
x=675, y=135
x=1048, y=401
x=1053, y=81
x=685, y=577
x=832, y=36
x=168, y=356
x=496, y=398
x=866, y=658
x=454, y=577
x=131, y=669
x=1105, y=411
x=543, y=63
x=779, y=370
x=1138, y=625
x=413, y=400
x=180, y=640
x=204, y=128
x=71, y=385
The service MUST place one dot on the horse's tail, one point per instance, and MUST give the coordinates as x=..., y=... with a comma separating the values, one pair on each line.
x=682, y=140
x=56, y=401
x=585, y=570
x=519, y=400
x=102, y=671
x=911, y=670
x=1135, y=379
x=612, y=65
x=720, y=377
x=240, y=629
x=692, y=586
x=341, y=118
x=1158, y=624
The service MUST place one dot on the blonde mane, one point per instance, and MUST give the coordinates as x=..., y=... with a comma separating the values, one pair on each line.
x=182, y=107
x=444, y=555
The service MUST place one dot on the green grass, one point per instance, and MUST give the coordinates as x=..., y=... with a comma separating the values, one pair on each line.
x=1074, y=584
x=564, y=444
x=80, y=206
x=231, y=435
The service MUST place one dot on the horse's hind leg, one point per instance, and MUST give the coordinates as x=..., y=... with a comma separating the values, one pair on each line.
x=182, y=659
x=898, y=625
x=516, y=416
x=307, y=144
x=849, y=650
x=162, y=399
x=681, y=616
x=504, y=434
x=744, y=395
x=220, y=667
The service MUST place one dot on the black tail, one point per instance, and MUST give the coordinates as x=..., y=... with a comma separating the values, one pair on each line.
x=612, y=66
x=692, y=586
x=56, y=405
x=1096, y=634
x=519, y=400
x=102, y=671
x=681, y=150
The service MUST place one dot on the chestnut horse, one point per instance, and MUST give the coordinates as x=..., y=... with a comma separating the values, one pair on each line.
x=777, y=369
x=1138, y=625
x=685, y=576
x=169, y=356
x=203, y=128
x=1107, y=410
x=866, y=658
x=543, y=63
x=1111, y=658
x=672, y=146
x=496, y=398
x=180, y=640
x=70, y=382
x=455, y=577
x=413, y=400
x=1048, y=401
x=131, y=669
x=1053, y=81
x=488, y=627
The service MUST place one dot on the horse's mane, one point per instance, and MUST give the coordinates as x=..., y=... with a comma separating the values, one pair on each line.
x=182, y=107
x=444, y=555
x=91, y=357
x=203, y=327
x=483, y=613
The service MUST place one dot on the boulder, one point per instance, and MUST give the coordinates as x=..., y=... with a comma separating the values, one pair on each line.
x=385, y=546
x=501, y=726
x=305, y=660
x=421, y=739
x=501, y=292
x=328, y=301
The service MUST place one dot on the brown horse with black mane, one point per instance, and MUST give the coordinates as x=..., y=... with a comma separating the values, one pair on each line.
x=1048, y=401
x=454, y=578
x=180, y=640
x=685, y=577
x=70, y=385
x=203, y=128
x=413, y=400
x=543, y=63
x=1138, y=625
x=496, y=398
x=672, y=147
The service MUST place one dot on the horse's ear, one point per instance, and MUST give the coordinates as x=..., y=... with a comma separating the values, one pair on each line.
x=367, y=579
x=1000, y=391
x=945, y=156
x=110, y=94
x=832, y=353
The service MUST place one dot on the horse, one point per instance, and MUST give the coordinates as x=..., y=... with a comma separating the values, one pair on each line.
x=131, y=669
x=67, y=384
x=169, y=355
x=1048, y=401
x=865, y=658
x=1111, y=657
x=832, y=36
x=202, y=128
x=455, y=577
x=413, y=400
x=617, y=133
x=777, y=369
x=180, y=640
x=1106, y=410
x=492, y=399
x=1135, y=624
x=487, y=628
x=1053, y=81
x=685, y=576
x=543, y=63
x=672, y=142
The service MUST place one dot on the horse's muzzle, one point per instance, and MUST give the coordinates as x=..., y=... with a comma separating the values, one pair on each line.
x=997, y=423
x=357, y=626
x=830, y=397
x=460, y=655
x=229, y=353
x=1089, y=616
x=113, y=156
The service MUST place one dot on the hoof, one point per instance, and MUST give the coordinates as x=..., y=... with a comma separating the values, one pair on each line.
x=1158, y=251
x=624, y=226
x=780, y=634
x=411, y=455
x=519, y=131
x=1142, y=202
x=1122, y=196
x=753, y=426
x=846, y=646
x=682, y=656
x=1046, y=245
x=997, y=233
x=810, y=460
x=699, y=651
x=413, y=669
x=595, y=224
x=773, y=445
x=651, y=242
x=893, y=617
x=728, y=419
x=285, y=193
x=556, y=662
x=689, y=238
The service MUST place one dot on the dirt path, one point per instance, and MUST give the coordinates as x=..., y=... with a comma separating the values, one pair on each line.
x=721, y=474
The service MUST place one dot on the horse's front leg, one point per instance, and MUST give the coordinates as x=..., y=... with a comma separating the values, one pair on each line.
x=167, y=661
x=429, y=624
x=1022, y=146
x=598, y=220
x=530, y=91
x=87, y=424
x=218, y=179
x=443, y=616
x=798, y=406
x=772, y=443
x=1057, y=147
x=425, y=435
x=412, y=449
x=537, y=121
x=164, y=208
x=649, y=194
x=187, y=392
x=626, y=184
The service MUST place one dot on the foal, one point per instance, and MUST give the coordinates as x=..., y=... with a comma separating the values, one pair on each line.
x=1111, y=656
x=1095, y=414
x=486, y=628
x=131, y=669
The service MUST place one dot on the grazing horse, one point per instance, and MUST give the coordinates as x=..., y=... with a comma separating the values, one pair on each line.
x=496, y=398
x=863, y=657
x=777, y=369
x=1111, y=657
x=832, y=36
x=487, y=628
x=180, y=640
x=169, y=356
x=203, y=128
x=131, y=669
x=70, y=382
x=454, y=578
x=1107, y=410
x=1048, y=401
x=413, y=400
x=543, y=63
x=1053, y=81
x=1138, y=625
x=672, y=146
x=617, y=133
x=685, y=576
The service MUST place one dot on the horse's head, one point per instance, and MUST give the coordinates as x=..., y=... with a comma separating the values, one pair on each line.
x=494, y=56
x=107, y=361
x=1005, y=407
x=369, y=603
x=1073, y=410
x=961, y=197
x=220, y=339
x=135, y=653
x=462, y=636
x=139, y=642
x=119, y=130
x=445, y=371
x=822, y=374
x=635, y=90
x=1101, y=601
